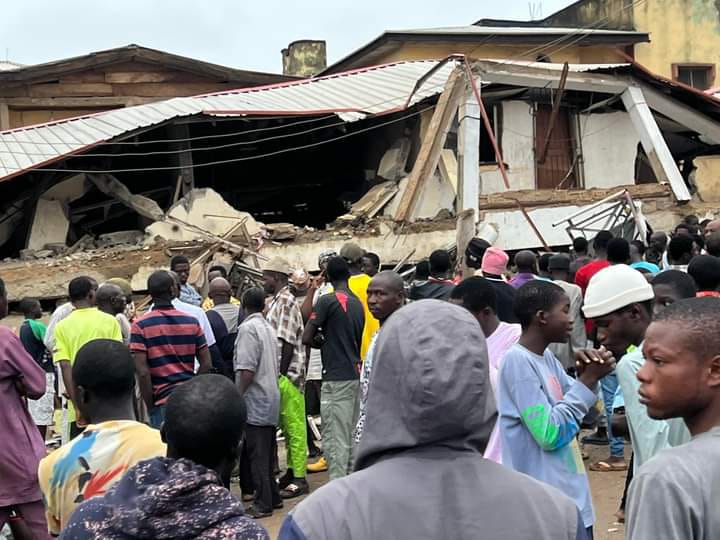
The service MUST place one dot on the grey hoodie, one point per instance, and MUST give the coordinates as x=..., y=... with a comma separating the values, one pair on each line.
x=419, y=471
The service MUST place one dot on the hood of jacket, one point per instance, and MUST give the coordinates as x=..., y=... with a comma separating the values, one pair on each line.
x=169, y=498
x=429, y=385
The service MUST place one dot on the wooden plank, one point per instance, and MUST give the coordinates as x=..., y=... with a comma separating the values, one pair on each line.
x=661, y=160
x=448, y=167
x=132, y=77
x=4, y=117
x=433, y=142
x=166, y=89
x=79, y=89
x=465, y=233
x=553, y=115
x=83, y=77
x=84, y=102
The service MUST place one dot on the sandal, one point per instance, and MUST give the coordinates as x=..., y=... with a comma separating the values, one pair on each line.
x=608, y=466
x=295, y=489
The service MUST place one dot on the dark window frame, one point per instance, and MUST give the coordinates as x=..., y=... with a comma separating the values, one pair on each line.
x=711, y=72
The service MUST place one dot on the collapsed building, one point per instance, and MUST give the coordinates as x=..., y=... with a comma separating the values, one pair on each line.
x=400, y=157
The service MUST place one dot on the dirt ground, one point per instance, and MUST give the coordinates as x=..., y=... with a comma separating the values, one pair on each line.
x=607, y=489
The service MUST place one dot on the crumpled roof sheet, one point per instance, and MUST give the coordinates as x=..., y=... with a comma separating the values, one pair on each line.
x=352, y=95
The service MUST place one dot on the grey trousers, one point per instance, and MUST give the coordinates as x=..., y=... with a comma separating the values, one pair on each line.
x=339, y=412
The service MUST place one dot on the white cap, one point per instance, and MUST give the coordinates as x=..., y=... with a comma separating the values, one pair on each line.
x=614, y=288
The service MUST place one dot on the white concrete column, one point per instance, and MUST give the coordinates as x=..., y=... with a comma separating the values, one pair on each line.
x=469, y=154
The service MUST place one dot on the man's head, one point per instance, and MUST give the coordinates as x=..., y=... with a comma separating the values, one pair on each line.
x=712, y=227
x=683, y=229
x=681, y=373
x=324, y=257
x=618, y=251
x=161, y=286
x=276, y=273
x=543, y=307
x=370, y=264
x=659, y=240
x=580, y=246
x=81, y=291
x=671, y=286
x=204, y=422
x=494, y=262
x=475, y=251
x=600, y=243
x=422, y=271
x=220, y=291
x=712, y=244
x=338, y=271
x=385, y=294
x=216, y=272
x=681, y=250
x=3, y=300
x=31, y=308
x=440, y=264
x=692, y=220
x=637, y=251
x=559, y=267
x=104, y=377
x=619, y=301
x=253, y=300
x=353, y=254
x=125, y=287
x=705, y=270
x=180, y=264
x=299, y=282
x=544, y=264
x=526, y=262
x=111, y=299
x=477, y=295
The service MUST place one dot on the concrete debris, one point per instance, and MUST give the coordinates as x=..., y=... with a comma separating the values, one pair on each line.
x=69, y=189
x=206, y=210
x=371, y=203
x=50, y=224
x=111, y=186
x=119, y=238
x=281, y=231
x=85, y=243
x=392, y=164
x=435, y=195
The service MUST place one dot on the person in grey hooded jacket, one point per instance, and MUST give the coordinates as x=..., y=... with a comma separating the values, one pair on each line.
x=419, y=471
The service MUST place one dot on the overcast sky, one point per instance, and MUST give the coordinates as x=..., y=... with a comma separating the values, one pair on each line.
x=238, y=33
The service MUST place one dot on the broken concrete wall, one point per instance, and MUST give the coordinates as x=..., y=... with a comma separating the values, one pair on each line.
x=518, y=149
x=436, y=195
x=197, y=208
x=70, y=189
x=609, y=149
x=50, y=224
x=707, y=178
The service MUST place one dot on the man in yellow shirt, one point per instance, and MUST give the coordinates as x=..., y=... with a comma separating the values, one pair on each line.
x=216, y=272
x=83, y=325
x=358, y=283
x=104, y=379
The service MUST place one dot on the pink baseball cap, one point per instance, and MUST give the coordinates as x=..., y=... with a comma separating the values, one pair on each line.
x=494, y=261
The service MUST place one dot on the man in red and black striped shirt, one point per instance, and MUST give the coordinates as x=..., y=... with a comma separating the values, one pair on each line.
x=165, y=343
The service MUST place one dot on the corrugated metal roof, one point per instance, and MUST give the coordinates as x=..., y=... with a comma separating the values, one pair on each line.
x=7, y=65
x=355, y=95
x=515, y=30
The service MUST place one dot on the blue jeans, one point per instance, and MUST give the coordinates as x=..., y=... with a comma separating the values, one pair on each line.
x=157, y=416
x=609, y=385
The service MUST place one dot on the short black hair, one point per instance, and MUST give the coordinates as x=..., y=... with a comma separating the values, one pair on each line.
x=160, y=283
x=80, y=287
x=544, y=262
x=338, y=269
x=440, y=262
x=218, y=268
x=700, y=322
x=712, y=244
x=705, y=270
x=254, y=299
x=205, y=419
x=618, y=251
x=536, y=295
x=639, y=246
x=683, y=225
x=580, y=244
x=476, y=293
x=106, y=368
x=27, y=305
x=679, y=246
x=373, y=257
x=178, y=259
x=601, y=240
x=681, y=282
x=422, y=270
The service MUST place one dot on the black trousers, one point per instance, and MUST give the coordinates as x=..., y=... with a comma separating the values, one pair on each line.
x=259, y=441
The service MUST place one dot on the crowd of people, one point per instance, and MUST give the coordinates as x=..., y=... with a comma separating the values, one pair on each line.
x=432, y=396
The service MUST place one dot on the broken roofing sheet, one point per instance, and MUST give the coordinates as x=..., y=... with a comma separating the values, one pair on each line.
x=352, y=96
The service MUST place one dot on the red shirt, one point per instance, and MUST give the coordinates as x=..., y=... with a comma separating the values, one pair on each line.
x=582, y=277
x=705, y=294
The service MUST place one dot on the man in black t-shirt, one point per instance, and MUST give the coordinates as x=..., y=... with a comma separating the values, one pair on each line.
x=336, y=324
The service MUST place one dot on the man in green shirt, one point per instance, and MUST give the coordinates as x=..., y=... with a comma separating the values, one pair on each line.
x=86, y=323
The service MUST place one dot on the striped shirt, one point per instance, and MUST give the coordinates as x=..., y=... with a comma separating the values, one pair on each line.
x=171, y=340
